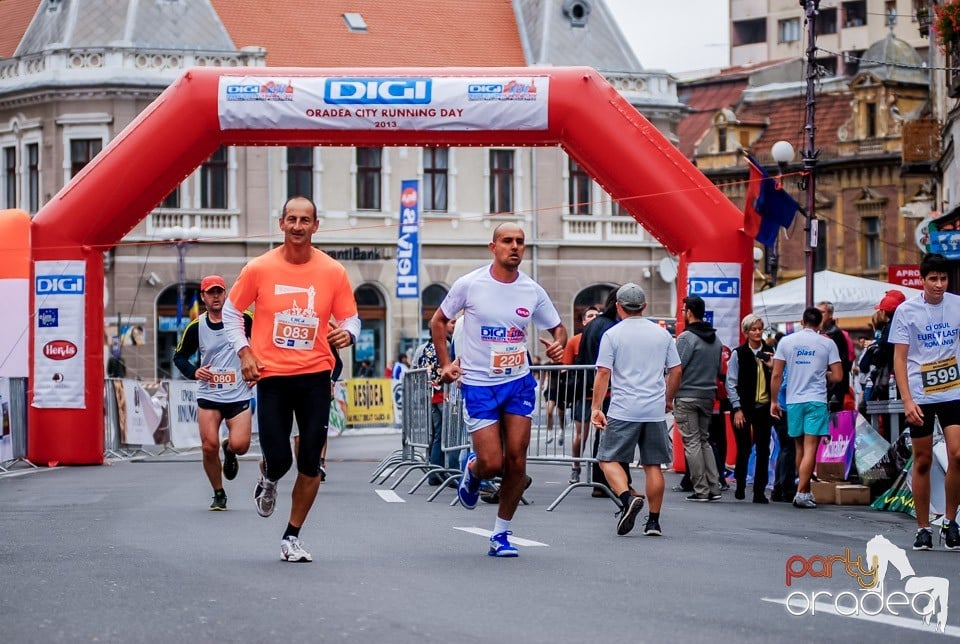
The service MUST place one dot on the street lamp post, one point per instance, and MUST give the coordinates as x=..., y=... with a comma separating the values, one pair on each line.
x=182, y=238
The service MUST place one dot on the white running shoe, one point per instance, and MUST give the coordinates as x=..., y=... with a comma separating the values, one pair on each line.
x=804, y=500
x=292, y=550
x=265, y=496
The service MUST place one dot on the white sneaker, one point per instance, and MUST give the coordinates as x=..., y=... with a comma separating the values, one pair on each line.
x=804, y=500
x=265, y=496
x=292, y=550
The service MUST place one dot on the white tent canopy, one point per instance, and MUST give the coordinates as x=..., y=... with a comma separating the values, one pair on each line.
x=851, y=297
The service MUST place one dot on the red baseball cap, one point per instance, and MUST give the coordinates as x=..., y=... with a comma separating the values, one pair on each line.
x=212, y=281
x=891, y=300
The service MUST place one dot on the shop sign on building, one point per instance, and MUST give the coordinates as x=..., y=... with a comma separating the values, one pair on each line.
x=905, y=275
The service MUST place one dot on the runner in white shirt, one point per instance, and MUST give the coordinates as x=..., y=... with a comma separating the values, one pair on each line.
x=924, y=333
x=812, y=361
x=499, y=392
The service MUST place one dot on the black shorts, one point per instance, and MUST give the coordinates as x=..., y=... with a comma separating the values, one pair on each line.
x=279, y=399
x=947, y=412
x=227, y=410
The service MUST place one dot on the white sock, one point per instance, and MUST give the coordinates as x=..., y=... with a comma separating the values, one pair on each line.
x=502, y=525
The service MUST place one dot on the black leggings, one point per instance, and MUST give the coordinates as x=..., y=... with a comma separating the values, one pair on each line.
x=759, y=421
x=280, y=398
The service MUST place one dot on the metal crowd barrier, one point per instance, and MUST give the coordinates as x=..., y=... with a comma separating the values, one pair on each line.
x=893, y=408
x=453, y=438
x=555, y=446
x=415, y=428
x=17, y=410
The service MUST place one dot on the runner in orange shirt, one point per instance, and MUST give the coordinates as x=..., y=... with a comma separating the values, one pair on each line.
x=297, y=289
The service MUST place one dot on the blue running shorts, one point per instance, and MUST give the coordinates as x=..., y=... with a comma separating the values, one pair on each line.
x=484, y=405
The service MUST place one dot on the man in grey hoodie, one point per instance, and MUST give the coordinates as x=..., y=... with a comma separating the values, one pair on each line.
x=700, y=354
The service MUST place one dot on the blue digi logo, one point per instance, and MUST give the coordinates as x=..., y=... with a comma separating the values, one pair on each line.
x=493, y=333
x=59, y=285
x=377, y=91
x=48, y=318
x=714, y=286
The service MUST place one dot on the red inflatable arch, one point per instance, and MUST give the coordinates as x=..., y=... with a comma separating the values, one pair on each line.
x=571, y=107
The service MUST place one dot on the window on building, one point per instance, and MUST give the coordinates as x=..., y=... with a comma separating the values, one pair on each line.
x=851, y=62
x=721, y=139
x=501, y=181
x=369, y=168
x=749, y=32
x=827, y=67
x=300, y=172
x=33, y=177
x=827, y=21
x=890, y=13
x=855, y=13
x=213, y=180
x=82, y=152
x=820, y=252
x=788, y=30
x=172, y=200
x=10, y=177
x=870, y=127
x=435, y=167
x=578, y=189
x=431, y=298
x=870, y=233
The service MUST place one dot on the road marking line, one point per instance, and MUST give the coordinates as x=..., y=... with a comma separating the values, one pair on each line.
x=389, y=496
x=517, y=541
x=903, y=622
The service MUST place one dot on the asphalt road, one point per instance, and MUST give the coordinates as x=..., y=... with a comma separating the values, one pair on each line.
x=128, y=552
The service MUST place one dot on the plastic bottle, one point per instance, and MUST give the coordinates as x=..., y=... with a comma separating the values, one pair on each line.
x=892, y=390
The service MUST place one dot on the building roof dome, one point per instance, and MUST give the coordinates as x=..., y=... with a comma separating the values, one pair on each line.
x=894, y=60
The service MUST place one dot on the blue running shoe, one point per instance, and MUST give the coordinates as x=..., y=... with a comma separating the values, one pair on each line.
x=469, y=490
x=500, y=546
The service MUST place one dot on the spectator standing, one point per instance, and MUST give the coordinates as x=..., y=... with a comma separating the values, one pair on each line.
x=812, y=361
x=837, y=392
x=748, y=387
x=632, y=361
x=700, y=354
x=580, y=402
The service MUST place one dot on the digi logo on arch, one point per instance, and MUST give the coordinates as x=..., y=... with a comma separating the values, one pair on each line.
x=59, y=285
x=714, y=286
x=377, y=91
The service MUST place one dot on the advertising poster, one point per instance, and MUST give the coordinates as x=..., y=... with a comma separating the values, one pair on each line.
x=338, y=410
x=408, y=243
x=384, y=103
x=6, y=440
x=369, y=401
x=58, y=350
x=184, y=430
x=138, y=417
x=718, y=283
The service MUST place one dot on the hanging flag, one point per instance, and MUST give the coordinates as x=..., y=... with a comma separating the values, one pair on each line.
x=408, y=243
x=194, y=308
x=768, y=207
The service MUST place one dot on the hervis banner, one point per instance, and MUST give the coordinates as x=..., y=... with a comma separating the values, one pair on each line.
x=408, y=243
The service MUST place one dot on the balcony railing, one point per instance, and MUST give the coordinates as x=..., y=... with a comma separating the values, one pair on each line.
x=213, y=224
x=601, y=228
x=921, y=141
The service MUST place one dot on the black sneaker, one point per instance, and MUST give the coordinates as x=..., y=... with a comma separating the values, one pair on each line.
x=628, y=516
x=219, y=502
x=950, y=535
x=230, y=463
x=714, y=496
x=652, y=529
x=699, y=497
x=924, y=540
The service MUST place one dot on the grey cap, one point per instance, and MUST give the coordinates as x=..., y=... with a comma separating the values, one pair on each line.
x=631, y=297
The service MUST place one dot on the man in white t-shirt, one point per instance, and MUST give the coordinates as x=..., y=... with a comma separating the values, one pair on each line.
x=632, y=359
x=813, y=361
x=499, y=392
x=924, y=334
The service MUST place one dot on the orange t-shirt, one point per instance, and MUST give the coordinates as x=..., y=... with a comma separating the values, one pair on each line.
x=571, y=349
x=293, y=302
